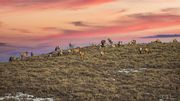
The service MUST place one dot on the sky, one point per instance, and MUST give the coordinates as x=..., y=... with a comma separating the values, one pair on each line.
x=40, y=25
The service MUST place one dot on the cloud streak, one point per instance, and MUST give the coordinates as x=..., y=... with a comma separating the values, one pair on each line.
x=79, y=23
x=163, y=36
x=3, y=44
x=20, y=30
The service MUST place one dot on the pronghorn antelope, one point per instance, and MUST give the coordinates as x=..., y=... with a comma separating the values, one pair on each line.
x=69, y=51
x=102, y=53
x=113, y=45
x=143, y=50
x=49, y=55
x=12, y=58
x=57, y=48
x=60, y=52
x=82, y=55
x=71, y=46
x=32, y=54
x=157, y=41
x=110, y=41
x=103, y=43
x=119, y=43
x=77, y=50
x=133, y=42
x=23, y=55
x=175, y=41
x=146, y=50
x=140, y=50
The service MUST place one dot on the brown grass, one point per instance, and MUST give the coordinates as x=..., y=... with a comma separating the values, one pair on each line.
x=97, y=78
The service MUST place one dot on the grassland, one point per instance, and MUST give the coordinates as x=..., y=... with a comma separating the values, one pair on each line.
x=99, y=78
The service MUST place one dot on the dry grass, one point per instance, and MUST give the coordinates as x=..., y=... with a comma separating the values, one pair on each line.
x=97, y=78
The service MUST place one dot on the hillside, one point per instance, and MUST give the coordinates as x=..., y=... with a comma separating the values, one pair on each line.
x=121, y=74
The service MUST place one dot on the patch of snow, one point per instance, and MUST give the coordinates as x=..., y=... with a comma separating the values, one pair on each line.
x=130, y=70
x=21, y=96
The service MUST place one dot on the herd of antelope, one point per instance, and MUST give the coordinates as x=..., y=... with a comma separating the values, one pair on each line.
x=81, y=53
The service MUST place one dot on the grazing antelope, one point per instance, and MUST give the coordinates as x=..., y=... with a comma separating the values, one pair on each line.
x=60, y=52
x=175, y=41
x=77, y=50
x=93, y=44
x=102, y=53
x=82, y=55
x=157, y=41
x=113, y=45
x=146, y=50
x=49, y=55
x=69, y=51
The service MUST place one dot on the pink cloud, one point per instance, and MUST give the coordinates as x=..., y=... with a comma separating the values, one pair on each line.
x=65, y=4
x=140, y=22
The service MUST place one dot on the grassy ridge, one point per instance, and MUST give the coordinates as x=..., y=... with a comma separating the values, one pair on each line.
x=98, y=77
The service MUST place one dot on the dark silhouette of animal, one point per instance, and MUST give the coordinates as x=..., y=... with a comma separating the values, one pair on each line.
x=119, y=43
x=32, y=54
x=12, y=58
x=103, y=43
x=157, y=41
x=175, y=41
x=133, y=42
x=71, y=45
x=110, y=41
x=57, y=48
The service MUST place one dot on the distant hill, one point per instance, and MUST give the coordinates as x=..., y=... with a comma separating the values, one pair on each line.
x=121, y=74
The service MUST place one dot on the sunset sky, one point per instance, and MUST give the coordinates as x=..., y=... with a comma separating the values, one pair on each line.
x=40, y=25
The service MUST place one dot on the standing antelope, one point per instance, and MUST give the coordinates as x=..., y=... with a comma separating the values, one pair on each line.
x=57, y=48
x=103, y=43
x=60, y=52
x=23, y=55
x=102, y=53
x=119, y=43
x=12, y=58
x=140, y=50
x=77, y=50
x=32, y=54
x=146, y=50
x=110, y=41
x=82, y=55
